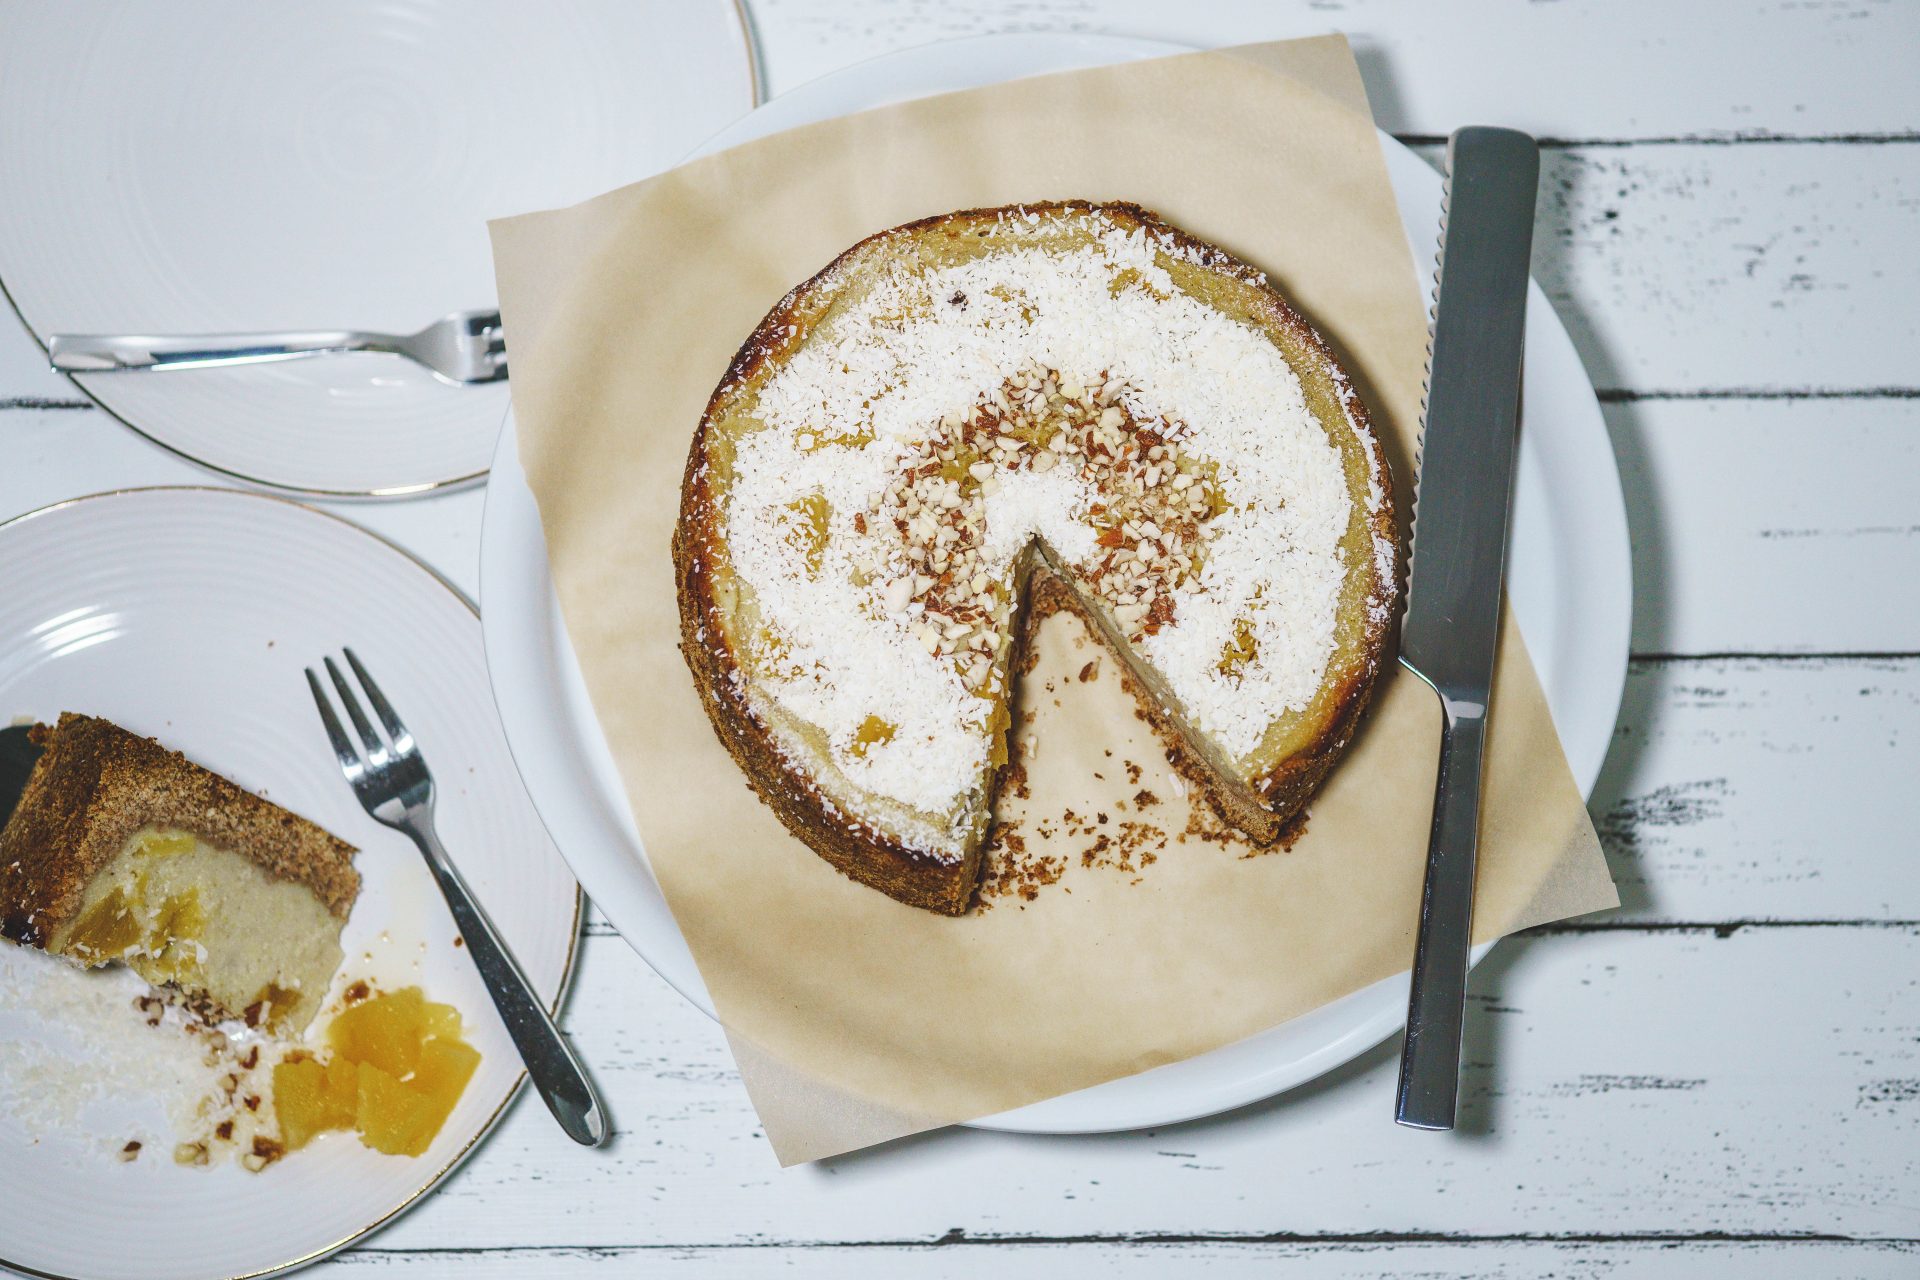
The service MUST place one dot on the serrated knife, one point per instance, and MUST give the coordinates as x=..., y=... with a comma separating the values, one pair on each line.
x=1452, y=623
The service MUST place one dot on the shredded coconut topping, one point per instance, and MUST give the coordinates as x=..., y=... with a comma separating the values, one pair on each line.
x=94, y=1060
x=927, y=435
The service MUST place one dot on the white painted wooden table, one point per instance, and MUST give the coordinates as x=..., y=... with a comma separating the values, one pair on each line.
x=1722, y=1078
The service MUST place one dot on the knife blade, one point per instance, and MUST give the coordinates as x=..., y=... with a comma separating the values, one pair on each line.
x=1452, y=623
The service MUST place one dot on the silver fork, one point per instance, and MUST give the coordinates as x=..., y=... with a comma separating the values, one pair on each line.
x=393, y=785
x=466, y=346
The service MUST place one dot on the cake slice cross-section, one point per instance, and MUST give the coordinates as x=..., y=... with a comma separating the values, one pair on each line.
x=121, y=850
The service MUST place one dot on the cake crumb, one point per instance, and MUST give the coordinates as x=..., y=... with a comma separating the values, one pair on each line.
x=1014, y=783
x=1012, y=871
x=1204, y=824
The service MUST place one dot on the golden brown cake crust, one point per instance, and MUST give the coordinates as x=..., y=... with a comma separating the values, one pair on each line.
x=861, y=851
x=96, y=784
x=874, y=857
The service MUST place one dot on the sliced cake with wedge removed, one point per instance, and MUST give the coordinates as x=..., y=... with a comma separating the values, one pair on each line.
x=121, y=850
x=1069, y=397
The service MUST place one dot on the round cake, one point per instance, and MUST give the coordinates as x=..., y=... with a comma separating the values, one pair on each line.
x=959, y=413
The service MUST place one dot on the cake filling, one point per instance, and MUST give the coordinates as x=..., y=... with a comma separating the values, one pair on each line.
x=187, y=914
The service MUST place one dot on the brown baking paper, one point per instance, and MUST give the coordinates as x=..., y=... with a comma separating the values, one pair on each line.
x=856, y=1019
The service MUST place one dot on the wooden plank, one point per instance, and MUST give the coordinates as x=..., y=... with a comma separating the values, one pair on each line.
x=1772, y=525
x=49, y=455
x=1751, y=267
x=1342, y=1260
x=1666, y=1082
x=1762, y=268
x=1759, y=790
x=1577, y=69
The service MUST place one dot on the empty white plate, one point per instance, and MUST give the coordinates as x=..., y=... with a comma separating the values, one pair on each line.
x=229, y=166
x=188, y=615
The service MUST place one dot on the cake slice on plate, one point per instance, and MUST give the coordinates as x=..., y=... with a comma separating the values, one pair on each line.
x=121, y=850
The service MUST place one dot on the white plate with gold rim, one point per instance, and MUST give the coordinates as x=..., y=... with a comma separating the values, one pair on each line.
x=1569, y=577
x=227, y=166
x=188, y=615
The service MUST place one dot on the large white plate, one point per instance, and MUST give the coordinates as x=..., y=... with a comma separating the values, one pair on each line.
x=1569, y=579
x=229, y=165
x=188, y=614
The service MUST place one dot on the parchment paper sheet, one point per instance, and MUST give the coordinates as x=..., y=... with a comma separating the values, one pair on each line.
x=856, y=1019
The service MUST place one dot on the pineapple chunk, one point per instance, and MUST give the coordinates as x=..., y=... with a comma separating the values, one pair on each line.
x=445, y=1067
x=393, y=1119
x=312, y=1098
x=397, y=1070
x=386, y=1031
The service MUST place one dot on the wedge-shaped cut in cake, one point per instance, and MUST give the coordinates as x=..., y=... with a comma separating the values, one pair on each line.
x=1068, y=398
x=121, y=850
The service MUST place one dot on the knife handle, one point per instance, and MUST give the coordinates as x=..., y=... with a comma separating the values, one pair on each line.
x=1430, y=1060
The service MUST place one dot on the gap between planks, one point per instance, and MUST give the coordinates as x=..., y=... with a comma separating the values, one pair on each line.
x=43, y=402
x=1628, y=395
x=1756, y=138
x=1652, y=659
x=958, y=1238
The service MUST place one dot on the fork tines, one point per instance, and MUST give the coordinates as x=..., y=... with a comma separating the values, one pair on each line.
x=381, y=753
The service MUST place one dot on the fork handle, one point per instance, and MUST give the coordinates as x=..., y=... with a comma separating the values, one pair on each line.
x=101, y=353
x=552, y=1065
